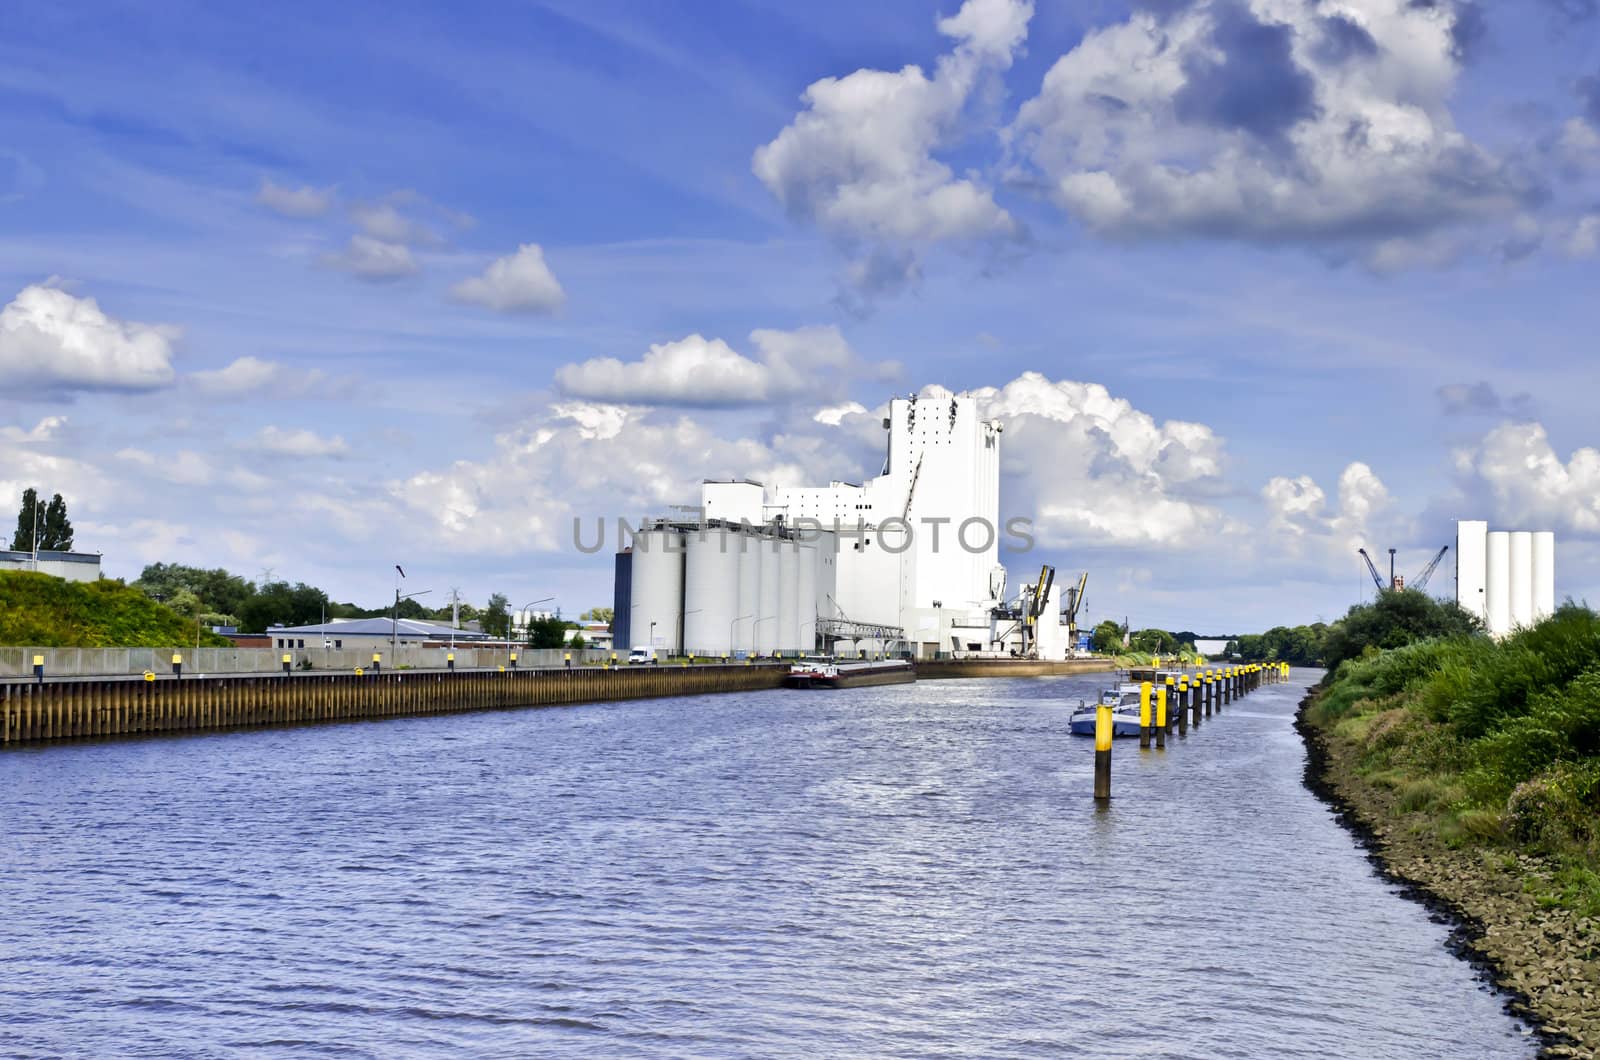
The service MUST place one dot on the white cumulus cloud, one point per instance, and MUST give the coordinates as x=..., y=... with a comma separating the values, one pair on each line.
x=53, y=340
x=1528, y=482
x=812, y=362
x=1300, y=523
x=1091, y=469
x=520, y=282
x=860, y=162
x=1269, y=121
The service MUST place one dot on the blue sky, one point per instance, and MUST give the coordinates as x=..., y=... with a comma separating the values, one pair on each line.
x=1296, y=244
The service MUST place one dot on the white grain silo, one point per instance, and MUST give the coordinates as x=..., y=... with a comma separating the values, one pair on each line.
x=656, y=604
x=1521, y=579
x=1544, y=574
x=1472, y=568
x=1497, y=575
x=805, y=598
x=771, y=599
x=744, y=627
x=710, y=591
x=788, y=610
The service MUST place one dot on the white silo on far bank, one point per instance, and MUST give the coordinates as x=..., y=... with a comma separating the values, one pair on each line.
x=788, y=633
x=766, y=632
x=1472, y=568
x=1521, y=579
x=1515, y=572
x=744, y=626
x=656, y=603
x=1498, y=579
x=710, y=590
x=1544, y=574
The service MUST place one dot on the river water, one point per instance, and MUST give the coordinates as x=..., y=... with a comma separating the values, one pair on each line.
x=912, y=871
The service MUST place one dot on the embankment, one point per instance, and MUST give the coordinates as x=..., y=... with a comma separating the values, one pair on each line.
x=1413, y=790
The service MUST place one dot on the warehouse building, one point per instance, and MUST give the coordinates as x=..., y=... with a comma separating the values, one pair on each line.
x=73, y=566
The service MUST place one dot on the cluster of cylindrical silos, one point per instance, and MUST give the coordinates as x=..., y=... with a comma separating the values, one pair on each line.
x=1519, y=578
x=725, y=589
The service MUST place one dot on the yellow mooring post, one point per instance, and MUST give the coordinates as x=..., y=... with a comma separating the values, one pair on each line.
x=1184, y=700
x=1102, y=752
x=1144, y=715
x=377, y=662
x=1161, y=715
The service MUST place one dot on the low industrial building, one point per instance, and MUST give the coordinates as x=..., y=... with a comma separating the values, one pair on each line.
x=373, y=634
x=73, y=566
x=1507, y=578
x=907, y=561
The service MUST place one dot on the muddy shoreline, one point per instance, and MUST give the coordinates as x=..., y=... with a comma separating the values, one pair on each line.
x=1543, y=962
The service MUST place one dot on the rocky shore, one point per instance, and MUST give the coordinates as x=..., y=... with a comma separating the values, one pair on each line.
x=1546, y=959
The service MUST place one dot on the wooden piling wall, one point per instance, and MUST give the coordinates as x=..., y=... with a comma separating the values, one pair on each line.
x=90, y=707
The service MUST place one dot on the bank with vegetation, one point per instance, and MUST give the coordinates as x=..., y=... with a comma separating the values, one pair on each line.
x=39, y=611
x=1473, y=766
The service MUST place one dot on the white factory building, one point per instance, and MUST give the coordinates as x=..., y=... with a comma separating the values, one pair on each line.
x=907, y=561
x=1505, y=577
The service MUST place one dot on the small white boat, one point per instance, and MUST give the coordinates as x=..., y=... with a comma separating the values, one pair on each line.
x=1124, y=703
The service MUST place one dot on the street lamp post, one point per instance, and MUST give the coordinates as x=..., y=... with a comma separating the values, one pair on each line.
x=527, y=612
x=731, y=647
x=394, y=616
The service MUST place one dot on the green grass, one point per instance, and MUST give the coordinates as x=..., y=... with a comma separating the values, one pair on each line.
x=1489, y=745
x=39, y=611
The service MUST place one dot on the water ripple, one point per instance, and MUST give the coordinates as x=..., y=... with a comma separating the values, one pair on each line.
x=914, y=872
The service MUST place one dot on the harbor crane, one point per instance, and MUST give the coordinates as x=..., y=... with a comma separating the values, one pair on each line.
x=1070, y=612
x=1397, y=582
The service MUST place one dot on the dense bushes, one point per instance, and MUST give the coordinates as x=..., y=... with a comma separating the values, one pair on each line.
x=1393, y=620
x=1511, y=729
x=39, y=611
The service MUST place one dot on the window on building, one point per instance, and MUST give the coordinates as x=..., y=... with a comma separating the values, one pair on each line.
x=338, y=644
x=302, y=644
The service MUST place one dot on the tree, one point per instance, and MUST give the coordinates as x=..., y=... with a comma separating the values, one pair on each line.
x=599, y=614
x=1394, y=620
x=1107, y=638
x=577, y=643
x=547, y=633
x=29, y=522
x=497, y=616
x=221, y=593
x=1154, y=641
x=279, y=603
x=56, y=532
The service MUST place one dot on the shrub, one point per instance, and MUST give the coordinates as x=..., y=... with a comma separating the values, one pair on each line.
x=1532, y=661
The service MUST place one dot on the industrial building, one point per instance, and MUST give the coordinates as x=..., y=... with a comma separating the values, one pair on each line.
x=907, y=561
x=72, y=566
x=374, y=634
x=1505, y=577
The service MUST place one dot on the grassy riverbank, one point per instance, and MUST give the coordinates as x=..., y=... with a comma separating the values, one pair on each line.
x=1475, y=765
x=38, y=611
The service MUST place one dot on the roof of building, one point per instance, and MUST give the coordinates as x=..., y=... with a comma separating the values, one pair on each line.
x=409, y=629
x=48, y=556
